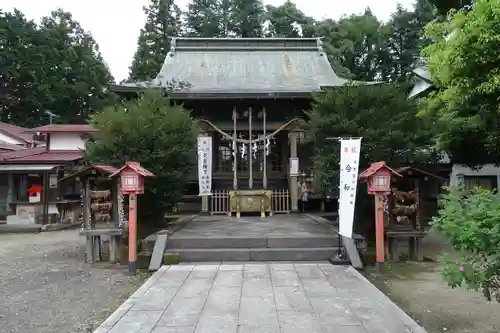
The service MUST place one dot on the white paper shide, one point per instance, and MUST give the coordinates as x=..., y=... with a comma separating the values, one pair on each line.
x=205, y=165
x=349, y=169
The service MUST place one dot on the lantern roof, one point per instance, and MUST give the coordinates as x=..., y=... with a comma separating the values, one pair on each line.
x=134, y=166
x=374, y=167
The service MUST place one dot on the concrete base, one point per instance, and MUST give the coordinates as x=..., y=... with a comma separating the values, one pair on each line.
x=276, y=238
x=255, y=254
x=20, y=228
x=339, y=260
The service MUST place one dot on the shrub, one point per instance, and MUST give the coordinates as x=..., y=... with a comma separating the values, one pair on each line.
x=471, y=220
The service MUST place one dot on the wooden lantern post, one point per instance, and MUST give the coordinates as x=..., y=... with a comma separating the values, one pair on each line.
x=132, y=183
x=378, y=177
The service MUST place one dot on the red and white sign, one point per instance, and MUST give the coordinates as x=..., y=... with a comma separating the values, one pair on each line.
x=205, y=165
x=349, y=169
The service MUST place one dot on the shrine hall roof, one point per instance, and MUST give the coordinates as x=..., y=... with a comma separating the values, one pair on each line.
x=256, y=67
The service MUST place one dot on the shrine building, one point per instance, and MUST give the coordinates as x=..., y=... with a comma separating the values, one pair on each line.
x=249, y=95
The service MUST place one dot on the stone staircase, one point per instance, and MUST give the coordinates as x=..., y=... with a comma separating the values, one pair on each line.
x=252, y=248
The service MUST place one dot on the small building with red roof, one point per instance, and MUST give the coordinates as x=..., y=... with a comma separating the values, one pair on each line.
x=62, y=153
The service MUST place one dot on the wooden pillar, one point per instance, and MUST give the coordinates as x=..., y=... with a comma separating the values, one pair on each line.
x=419, y=223
x=90, y=252
x=115, y=192
x=292, y=138
x=379, y=230
x=45, y=198
x=10, y=192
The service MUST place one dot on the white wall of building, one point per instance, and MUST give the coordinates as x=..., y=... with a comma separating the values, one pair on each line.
x=486, y=170
x=6, y=138
x=66, y=141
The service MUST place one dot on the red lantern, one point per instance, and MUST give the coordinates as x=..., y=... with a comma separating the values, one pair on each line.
x=378, y=176
x=132, y=178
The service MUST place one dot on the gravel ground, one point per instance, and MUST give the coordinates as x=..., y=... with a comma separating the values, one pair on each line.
x=45, y=286
x=418, y=288
x=442, y=309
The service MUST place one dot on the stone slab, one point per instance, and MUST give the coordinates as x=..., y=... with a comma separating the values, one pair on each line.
x=302, y=241
x=200, y=255
x=158, y=251
x=292, y=254
x=258, y=298
x=209, y=242
x=352, y=252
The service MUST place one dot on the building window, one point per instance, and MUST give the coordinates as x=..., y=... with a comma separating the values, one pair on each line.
x=487, y=182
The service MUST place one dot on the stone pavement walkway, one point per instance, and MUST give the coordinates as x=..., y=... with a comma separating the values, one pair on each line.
x=258, y=298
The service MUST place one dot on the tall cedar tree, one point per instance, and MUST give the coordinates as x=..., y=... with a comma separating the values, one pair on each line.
x=287, y=20
x=163, y=21
x=246, y=18
x=207, y=18
x=403, y=39
x=362, y=45
x=54, y=66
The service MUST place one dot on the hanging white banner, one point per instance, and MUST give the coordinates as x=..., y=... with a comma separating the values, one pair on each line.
x=349, y=168
x=205, y=165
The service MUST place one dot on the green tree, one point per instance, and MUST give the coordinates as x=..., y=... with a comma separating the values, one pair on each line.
x=470, y=220
x=207, y=18
x=156, y=133
x=381, y=114
x=53, y=66
x=444, y=6
x=362, y=51
x=335, y=44
x=246, y=18
x=287, y=20
x=163, y=20
x=403, y=38
x=463, y=63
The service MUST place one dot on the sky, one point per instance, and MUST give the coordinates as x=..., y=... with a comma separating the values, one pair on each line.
x=115, y=24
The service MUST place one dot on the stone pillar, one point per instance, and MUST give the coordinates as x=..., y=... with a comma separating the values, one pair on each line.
x=292, y=138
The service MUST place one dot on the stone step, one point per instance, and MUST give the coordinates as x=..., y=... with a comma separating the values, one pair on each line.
x=252, y=242
x=254, y=254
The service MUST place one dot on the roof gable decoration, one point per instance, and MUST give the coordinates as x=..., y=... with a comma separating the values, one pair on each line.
x=91, y=169
x=134, y=166
x=422, y=82
x=411, y=171
x=374, y=167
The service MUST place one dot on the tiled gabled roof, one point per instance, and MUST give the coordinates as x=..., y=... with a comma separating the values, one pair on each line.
x=40, y=155
x=248, y=65
x=15, y=132
x=63, y=128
